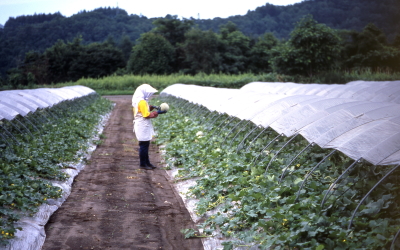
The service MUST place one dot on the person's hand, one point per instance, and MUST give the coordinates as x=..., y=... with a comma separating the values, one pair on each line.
x=154, y=107
x=161, y=112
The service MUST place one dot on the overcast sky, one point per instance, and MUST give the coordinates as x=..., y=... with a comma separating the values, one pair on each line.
x=205, y=9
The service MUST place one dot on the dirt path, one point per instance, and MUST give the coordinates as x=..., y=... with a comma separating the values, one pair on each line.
x=116, y=205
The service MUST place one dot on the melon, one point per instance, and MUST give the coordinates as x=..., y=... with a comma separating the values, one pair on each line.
x=164, y=107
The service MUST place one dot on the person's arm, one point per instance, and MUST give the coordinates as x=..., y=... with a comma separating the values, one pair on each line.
x=154, y=107
x=144, y=109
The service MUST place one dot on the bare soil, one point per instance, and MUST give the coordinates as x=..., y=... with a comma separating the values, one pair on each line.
x=116, y=205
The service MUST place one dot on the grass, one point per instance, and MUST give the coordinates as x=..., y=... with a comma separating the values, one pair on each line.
x=126, y=84
x=336, y=76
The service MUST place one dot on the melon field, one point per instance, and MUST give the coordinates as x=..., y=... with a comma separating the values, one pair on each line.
x=38, y=149
x=266, y=166
x=260, y=189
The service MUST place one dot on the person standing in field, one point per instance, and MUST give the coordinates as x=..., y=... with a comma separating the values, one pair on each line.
x=142, y=125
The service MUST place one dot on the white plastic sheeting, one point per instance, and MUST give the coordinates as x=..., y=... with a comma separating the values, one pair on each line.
x=357, y=90
x=206, y=96
x=22, y=102
x=360, y=119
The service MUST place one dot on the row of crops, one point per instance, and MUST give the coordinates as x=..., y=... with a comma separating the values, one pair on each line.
x=44, y=136
x=289, y=166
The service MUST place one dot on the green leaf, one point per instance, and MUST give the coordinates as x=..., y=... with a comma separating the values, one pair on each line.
x=251, y=213
x=219, y=219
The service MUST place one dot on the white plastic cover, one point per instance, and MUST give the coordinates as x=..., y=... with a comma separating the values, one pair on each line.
x=22, y=102
x=17, y=106
x=360, y=119
x=7, y=112
x=27, y=99
x=358, y=90
x=207, y=96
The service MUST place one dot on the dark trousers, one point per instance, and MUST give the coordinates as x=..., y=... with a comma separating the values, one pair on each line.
x=144, y=153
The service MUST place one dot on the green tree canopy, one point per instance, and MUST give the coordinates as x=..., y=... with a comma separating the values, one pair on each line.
x=312, y=48
x=260, y=53
x=126, y=46
x=67, y=62
x=61, y=56
x=226, y=29
x=396, y=42
x=97, y=60
x=235, y=50
x=369, y=48
x=152, y=55
x=172, y=28
x=371, y=38
x=201, y=49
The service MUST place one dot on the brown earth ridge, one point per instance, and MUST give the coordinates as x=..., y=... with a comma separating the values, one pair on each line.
x=116, y=205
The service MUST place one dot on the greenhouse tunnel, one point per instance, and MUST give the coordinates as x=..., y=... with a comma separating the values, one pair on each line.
x=359, y=119
x=34, y=107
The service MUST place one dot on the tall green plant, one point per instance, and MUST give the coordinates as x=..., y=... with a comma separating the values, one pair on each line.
x=154, y=54
x=312, y=48
x=202, y=51
x=369, y=49
x=260, y=53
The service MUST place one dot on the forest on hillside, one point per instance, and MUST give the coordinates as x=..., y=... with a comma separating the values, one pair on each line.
x=337, y=14
x=368, y=32
x=175, y=46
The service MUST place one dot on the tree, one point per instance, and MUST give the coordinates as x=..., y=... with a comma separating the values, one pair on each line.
x=369, y=48
x=284, y=60
x=68, y=62
x=16, y=78
x=173, y=29
x=35, y=65
x=61, y=56
x=227, y=29
x=236, y=48
x=396, y=42
x=260, y=53
x=126, y=46
x=110, y=41
x=96, y=60
x=201, y=49
x=152, y=55
x=371, y=38
x=39, y=32
x=312, y=48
